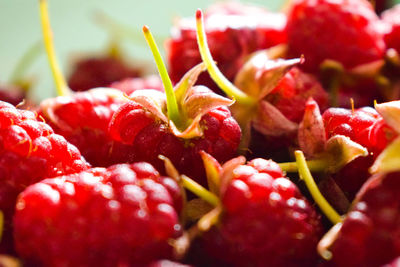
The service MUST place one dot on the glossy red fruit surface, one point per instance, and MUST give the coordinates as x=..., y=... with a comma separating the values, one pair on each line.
x=293, y=91
x=265, y=222
x=83, y=118
x=347, y=31
x=371, y=231
x=29, y=152
x=366, y=127
x=150, y=137
x=101, y=71
x=232, y=36
x=120, y=216
x=130, y=85
x=392, y=19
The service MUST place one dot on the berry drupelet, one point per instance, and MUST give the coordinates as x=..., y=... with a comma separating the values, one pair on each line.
x=348, y=32
x=120, y=216
x=263, y=219
x=234, y=31
x=178, y=126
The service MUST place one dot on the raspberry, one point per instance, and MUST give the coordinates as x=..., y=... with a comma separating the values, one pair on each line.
x=392, y=18
x=129, y=85
x=347, y=31
x=292, y=92
x=265, y=220
x=120, y=216
x=12, y=94
x=149, y=137
x=366, y=127
x=29, y=152
x=83, y=118
x=370, y=233
x=100, y=71
x=233, y=35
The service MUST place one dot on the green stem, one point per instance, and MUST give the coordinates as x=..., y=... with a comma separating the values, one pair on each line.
x=172, y=105
x=318, y=165
x=59, y=80
x=25, y=62
x=200, y=191
x=229, y=89
x=305, y=175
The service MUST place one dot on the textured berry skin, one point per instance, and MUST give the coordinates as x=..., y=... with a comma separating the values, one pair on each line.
x=347, y=31
x=392, y=19
x=150, y=137
x=130, y=85
x=366, y=127
x=83, y=118
x=293, y=91
x=120, y=216
x=370, y=235
x=29, y=152
x=266, y=221
x=12, y=94
x=101, y=71
x=232, y=36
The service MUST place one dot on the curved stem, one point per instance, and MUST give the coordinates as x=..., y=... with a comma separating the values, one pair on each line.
x=59, y=80
x=318, y=165
x=25, y=62
x=219, y=78
x=305, y=175
x=172, y=105
x=200, y=191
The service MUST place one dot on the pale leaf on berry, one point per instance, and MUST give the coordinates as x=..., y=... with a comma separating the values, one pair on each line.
x=227, y=174
x=389, y=159
x=341, y=150
x=213, y=169
x=152, y=100
x=187, y=81
x=390, y=111
x=260, y=75
x=311, y=134
x=270, y=121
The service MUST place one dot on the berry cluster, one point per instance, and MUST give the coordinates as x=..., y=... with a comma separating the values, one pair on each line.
x=194, y=167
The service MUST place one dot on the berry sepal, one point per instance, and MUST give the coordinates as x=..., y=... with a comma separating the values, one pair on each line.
x=193, y=102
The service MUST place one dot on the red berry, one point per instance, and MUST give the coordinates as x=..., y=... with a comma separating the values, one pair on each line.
x=232, y=36
x=101, y=71
x=371, y=231
x=129, y=85
x=150, y=137
x=83, y=118
x=347, y=31
x=366, y=127
x=265, y=222
x=293, y=91
x=120, y=216
x=29, y=152
x=392, y=19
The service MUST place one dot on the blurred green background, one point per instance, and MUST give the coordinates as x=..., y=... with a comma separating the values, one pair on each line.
x=76, y=31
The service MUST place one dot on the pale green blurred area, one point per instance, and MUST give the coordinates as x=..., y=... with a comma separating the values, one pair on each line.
x=76, y=32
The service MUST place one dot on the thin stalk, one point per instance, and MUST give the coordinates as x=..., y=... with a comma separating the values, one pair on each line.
x=200, y=191
x=172, y=105
x=305, y=175
x=230, y=89
x=59, y=80
x=314, y=166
